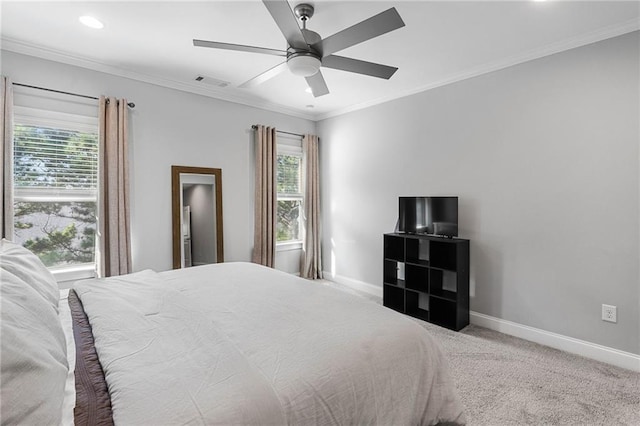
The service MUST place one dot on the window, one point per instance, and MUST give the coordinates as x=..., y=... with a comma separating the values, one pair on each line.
x=289, y=187
x=55, y=162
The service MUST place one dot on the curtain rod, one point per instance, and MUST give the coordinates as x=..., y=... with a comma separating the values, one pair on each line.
x=130, y=104
x=254, y=127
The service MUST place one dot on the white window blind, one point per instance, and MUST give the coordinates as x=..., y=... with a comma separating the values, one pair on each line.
x=55, y=159
x=289, y=174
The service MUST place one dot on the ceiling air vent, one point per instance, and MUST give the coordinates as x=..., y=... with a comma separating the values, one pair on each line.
x=211, y=81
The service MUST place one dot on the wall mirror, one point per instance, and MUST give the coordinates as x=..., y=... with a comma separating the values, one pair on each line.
x=197, y=216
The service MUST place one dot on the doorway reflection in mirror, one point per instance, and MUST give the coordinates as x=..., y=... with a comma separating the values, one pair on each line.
x=198, y=216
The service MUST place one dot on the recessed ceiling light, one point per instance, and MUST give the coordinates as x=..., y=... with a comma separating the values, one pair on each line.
x=308, y=90
x=91, y=22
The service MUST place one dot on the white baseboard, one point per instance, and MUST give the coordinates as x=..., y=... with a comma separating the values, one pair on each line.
x=583, y=348
x=354, y=284
x=558, y=341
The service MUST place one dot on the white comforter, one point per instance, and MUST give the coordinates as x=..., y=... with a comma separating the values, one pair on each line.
x=237, y=343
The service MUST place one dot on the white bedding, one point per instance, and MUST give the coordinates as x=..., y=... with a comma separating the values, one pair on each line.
x=243, y=344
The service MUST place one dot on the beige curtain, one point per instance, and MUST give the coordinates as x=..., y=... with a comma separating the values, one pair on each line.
x=311, y=260
x=6, y=155
x=264, y=240
x=114, y=240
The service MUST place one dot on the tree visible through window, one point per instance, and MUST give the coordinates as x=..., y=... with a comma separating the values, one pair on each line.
x=289, y=198
x=55, y=190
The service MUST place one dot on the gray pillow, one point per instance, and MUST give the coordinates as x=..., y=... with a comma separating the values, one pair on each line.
x=33, y=362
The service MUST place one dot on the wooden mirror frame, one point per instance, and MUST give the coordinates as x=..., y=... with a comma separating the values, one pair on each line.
x=176, y=210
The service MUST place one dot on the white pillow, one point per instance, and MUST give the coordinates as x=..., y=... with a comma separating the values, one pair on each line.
x=27, y=266
x=33, y=363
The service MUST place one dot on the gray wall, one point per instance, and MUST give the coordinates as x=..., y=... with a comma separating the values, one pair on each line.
x=171, y=127
x=544, y=157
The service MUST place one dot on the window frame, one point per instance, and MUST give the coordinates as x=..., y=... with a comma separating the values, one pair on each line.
x=36, y=117
x=291, y=146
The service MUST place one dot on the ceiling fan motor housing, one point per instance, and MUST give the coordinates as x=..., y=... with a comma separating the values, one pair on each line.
x=311, y=37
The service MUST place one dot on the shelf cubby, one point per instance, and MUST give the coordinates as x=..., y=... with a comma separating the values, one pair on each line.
x=417, y=304
x=394, y=248
x=444, y=255
x=416, y=277
x=443, y=283
x=391, y=273
x=443, y=313
x=417, y=250
x=393, y=297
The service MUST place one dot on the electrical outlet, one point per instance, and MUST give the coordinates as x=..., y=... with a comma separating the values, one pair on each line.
x=609, y=313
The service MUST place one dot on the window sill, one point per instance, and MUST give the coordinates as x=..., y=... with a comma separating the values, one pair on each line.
x=288, y=246
x=74, y=273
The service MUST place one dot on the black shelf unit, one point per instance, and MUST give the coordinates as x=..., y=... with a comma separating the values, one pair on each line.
x=427, y=277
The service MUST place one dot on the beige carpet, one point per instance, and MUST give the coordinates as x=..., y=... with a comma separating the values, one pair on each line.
x=503, y=380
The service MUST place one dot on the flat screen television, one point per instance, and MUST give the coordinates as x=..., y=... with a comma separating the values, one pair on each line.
x=428, y=215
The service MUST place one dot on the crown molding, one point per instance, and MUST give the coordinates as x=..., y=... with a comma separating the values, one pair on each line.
x=66, y=58
x=24, y=48
x=551, y=49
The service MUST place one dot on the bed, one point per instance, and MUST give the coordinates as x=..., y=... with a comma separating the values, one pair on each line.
x=231, y=343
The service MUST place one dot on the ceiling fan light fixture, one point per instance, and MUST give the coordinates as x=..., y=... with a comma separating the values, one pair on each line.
x=303, y=64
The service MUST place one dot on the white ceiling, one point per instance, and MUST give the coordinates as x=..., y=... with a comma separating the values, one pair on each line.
x=442, y=42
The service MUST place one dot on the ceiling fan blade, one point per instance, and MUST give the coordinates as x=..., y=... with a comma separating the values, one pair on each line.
x=358, y=66
x=317, y=84
x=375, y=26
x=239, y=47
x=267, y=75
x=287, y=22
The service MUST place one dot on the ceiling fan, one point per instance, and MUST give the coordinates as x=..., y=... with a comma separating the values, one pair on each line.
x=307, y=51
